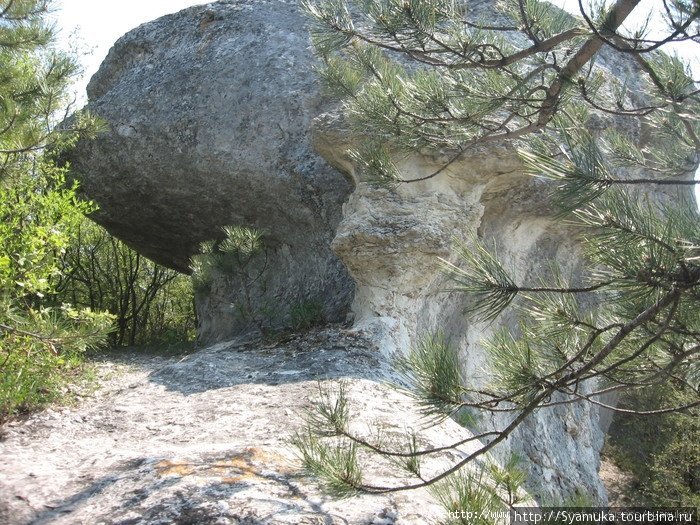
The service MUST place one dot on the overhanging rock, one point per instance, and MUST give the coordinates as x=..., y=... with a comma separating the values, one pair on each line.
x=208, y=113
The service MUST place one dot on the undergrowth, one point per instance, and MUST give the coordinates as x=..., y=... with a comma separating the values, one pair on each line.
x=661, y=451
x=30, y=382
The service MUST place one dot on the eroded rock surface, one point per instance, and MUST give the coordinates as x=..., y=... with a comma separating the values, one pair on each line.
x=391, y=240
x=205, y=439
x=208, y=114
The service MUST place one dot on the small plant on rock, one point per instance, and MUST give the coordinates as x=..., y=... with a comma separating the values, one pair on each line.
x=241, y=255
x=306, y=314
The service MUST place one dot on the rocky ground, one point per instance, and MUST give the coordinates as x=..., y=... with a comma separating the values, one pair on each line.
x=621, y=485
x=204, y=439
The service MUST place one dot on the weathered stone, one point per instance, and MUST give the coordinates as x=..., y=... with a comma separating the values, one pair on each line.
x=208, y=113
x=206, y=439
x=391, y=239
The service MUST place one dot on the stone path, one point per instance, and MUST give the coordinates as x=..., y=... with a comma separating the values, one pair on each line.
x=204, y=439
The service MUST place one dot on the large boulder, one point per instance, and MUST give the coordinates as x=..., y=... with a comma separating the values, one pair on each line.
x=208, y=115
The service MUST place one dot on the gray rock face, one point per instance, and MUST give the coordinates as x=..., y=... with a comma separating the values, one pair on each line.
x=208, y=113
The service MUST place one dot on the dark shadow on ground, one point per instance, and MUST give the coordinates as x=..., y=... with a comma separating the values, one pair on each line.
x=318, y=354
x=70, y=503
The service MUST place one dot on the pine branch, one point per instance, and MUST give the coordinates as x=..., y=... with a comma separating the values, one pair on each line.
x=415, y=453
x=50, y=341
x=608, y=34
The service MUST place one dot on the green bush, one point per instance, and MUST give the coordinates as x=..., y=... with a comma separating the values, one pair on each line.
x=661, y=451
x=30, y=381
x=41, y=339
x=42, y=352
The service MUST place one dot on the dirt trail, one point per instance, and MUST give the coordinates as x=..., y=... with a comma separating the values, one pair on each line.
x=204, y=439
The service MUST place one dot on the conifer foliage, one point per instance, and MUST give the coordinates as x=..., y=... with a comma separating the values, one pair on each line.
x=440, y=77
x=39, y=338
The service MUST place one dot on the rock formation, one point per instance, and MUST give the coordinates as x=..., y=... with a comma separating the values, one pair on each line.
x=208, y=114
x=390, y=241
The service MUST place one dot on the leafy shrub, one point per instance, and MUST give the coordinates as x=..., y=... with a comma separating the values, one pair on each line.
x=40, y=339
x=42, y=352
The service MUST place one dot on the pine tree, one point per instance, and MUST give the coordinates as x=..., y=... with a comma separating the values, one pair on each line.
x=38, y=211
x=443, y=76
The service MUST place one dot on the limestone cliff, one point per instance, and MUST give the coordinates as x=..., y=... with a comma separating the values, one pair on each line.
x=390, y=241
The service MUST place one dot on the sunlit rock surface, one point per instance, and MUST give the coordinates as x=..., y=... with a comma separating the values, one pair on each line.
x=206, y=439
